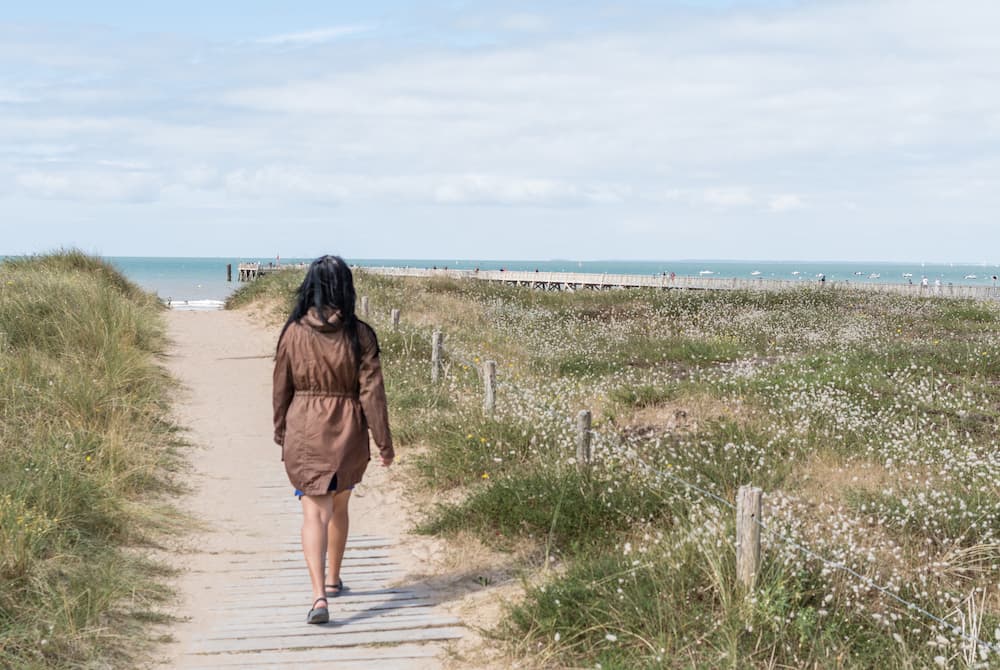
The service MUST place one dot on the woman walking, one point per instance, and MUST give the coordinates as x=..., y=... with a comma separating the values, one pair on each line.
x=328, y=393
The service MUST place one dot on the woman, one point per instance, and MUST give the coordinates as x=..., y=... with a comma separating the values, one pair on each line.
x=328, y=393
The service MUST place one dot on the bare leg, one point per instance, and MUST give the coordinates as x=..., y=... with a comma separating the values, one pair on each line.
x=316, y=514
x=337, y=534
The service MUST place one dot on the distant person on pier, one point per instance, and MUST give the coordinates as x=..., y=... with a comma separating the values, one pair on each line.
x=328, y=393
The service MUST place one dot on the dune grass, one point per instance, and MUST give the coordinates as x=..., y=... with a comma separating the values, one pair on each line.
x=871, y=422
x=87, y=455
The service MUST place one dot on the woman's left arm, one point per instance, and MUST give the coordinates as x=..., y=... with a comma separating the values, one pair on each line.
x=372, y=391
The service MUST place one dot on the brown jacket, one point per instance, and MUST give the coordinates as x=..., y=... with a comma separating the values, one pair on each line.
x=324, y=405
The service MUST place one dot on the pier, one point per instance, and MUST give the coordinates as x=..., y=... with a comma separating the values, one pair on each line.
x=575, y=281
x=572, y=281
x=251, y=271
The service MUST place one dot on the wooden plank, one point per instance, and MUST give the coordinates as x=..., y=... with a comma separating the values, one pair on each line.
x=343, y=603
x=346, y=600
x=266, y=629
x=251, y=617
x=301, y=575
x=353, y=582
x=366, y=664
x=350, y=639
x=293, y=659
x=294, y=552
x=286, y=568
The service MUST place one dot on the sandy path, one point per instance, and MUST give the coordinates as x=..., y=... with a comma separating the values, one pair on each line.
x=243, y=577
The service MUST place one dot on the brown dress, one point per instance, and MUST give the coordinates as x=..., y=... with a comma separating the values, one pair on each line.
x=324, y=405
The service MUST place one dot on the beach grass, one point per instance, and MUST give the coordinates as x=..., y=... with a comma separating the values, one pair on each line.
x=870, y=421
x=88, y=449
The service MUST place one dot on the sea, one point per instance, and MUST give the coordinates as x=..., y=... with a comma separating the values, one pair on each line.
x=200, y=283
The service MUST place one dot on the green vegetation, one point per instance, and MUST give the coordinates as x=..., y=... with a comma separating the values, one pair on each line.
x=870, y=421
x=86, y=439
x=275, y=290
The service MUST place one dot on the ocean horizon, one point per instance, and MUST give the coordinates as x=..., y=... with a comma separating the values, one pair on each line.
x=201, y=281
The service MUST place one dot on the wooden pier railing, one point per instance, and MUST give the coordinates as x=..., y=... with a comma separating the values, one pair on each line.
x=251, y=271
x=573, y=281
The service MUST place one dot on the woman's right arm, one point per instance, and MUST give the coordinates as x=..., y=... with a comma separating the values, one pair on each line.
x=283, y=388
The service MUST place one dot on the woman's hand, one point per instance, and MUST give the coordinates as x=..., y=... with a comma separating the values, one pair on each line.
x=386, y=461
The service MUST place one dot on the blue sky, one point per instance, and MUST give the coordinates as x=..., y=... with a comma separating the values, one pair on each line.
x=809, y=130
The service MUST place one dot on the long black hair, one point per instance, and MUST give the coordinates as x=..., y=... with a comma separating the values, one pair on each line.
x=328, y=284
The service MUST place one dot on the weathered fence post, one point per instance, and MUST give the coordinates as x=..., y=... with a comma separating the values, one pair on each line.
x=229, y=272
x=364, y=306
x=748, y=508
x=395, y=319
x=583, y=438
x=436, y=339
x=490, y=383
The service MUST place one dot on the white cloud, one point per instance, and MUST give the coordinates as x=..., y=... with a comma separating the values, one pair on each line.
x=785, y=202
x=286, y=182
x=116, y=187
x=527, y=23
x=12, y=97
x=312, y=37
x=728, y=197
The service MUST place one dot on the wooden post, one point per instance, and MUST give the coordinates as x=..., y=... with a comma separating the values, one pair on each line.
x=395, y=319
x=748, y=508
x=583, y=438
x=364, y=306
x=436, y=339
x=490, y=383
x=229, y=272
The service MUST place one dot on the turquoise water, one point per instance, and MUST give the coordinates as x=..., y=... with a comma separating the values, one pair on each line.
x=186, y=279
x=204, y=279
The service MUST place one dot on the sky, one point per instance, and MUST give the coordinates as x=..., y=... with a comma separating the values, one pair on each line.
x=809, y=130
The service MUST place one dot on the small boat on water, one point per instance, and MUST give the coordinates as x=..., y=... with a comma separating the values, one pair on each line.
x=706, y=272
x=796, y=273
x=874, y=275
x=755, y=273
x=970, y=277
x=858, y=273
x=907, y=275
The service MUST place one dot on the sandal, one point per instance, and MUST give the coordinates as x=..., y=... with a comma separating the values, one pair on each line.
x=318, y=614
x=334, y=590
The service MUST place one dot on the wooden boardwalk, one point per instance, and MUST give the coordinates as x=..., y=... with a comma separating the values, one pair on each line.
x=244, y=586
x=260, y=621
x=555, y=281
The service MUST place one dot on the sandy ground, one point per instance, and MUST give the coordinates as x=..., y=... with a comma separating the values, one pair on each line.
x=224, y=361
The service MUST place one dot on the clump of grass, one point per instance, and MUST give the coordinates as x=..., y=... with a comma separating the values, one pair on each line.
x=644, y=395
x=88, y=451
x=275, y=289
x=566, y=509
x=673, y=601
